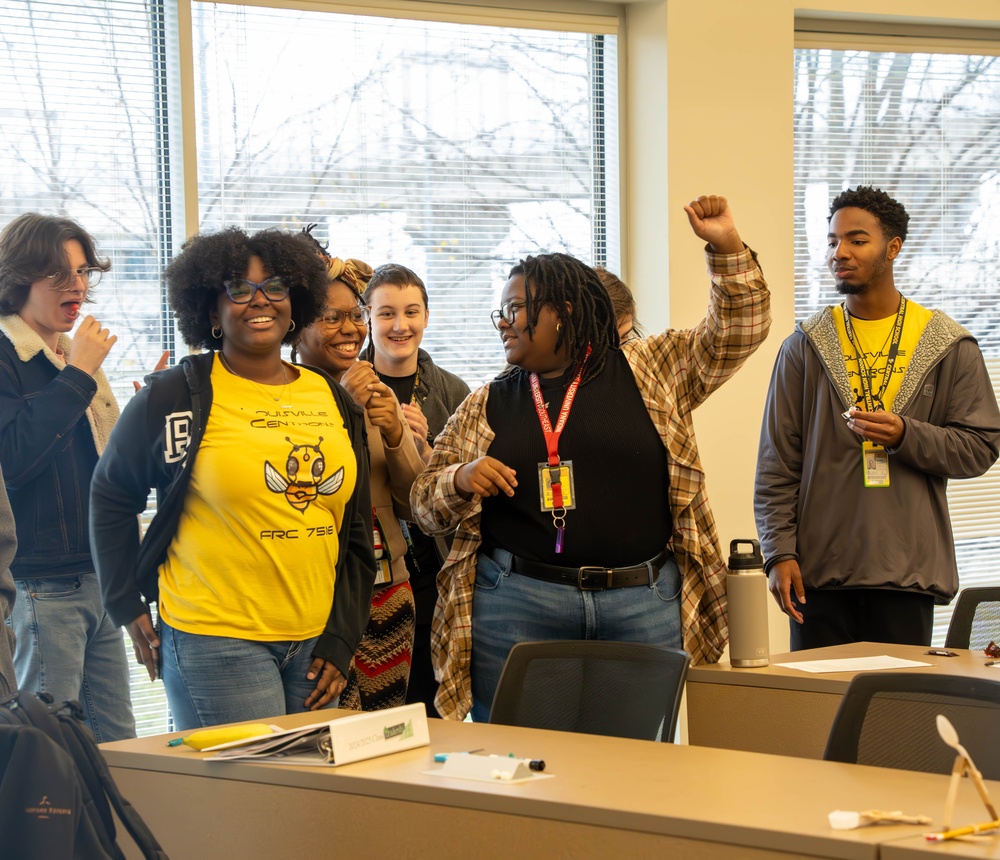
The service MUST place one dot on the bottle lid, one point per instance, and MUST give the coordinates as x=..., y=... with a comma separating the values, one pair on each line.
x=748, y=559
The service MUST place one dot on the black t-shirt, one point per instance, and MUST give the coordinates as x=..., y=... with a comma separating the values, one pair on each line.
x=402, y=386
x=622, y=513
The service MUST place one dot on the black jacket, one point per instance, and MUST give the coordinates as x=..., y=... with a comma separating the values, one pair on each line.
x=54, y=420
x=154, y=446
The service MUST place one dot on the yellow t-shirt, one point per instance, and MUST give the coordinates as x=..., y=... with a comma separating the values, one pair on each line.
x=874, y=338
x=254, y=556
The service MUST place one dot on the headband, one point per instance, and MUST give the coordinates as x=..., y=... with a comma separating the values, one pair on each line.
x=355, y=273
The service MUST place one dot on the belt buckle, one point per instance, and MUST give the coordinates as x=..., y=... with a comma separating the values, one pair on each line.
x=592, y=569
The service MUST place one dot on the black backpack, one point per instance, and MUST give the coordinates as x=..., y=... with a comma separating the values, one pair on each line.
x=55, y=786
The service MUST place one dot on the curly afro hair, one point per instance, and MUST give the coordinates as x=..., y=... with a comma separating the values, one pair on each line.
x=890, y=213
x=554, y=280
x=195, y=277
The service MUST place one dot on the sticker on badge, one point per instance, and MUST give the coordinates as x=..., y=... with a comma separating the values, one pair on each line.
x=875, y=464
x=562, y=475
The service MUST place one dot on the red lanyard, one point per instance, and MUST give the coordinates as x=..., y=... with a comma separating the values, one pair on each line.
x=552, y=436
x=552, y=442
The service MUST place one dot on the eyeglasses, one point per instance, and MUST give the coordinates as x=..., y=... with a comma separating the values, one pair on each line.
x=334, y=317
x=64, y=281
x=242, y=291
x=506, y=313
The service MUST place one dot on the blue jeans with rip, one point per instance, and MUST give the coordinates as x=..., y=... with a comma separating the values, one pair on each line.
x=508, y=608
x=216, y=679
x=68, y=647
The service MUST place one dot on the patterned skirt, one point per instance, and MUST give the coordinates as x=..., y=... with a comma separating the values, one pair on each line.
x=381, y=666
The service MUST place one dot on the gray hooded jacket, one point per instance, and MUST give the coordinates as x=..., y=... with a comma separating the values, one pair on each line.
x=810, y=502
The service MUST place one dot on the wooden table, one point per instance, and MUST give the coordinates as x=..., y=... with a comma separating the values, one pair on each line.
x=916, y=848
x=788, y=711
x=609, y=797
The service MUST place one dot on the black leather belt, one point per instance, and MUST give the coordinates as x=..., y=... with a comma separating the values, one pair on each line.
x=591, y=578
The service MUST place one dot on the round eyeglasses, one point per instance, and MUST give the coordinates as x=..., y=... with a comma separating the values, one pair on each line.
x=507, y=312
x=334, y=317
x=64, y=281
x=242, y=291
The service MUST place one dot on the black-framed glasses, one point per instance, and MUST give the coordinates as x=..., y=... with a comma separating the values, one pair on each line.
x=334, y=317
x=242, y=291
x=64, y=281
x=507, y=312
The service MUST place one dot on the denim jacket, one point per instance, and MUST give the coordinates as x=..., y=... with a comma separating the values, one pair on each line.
x=54, y=422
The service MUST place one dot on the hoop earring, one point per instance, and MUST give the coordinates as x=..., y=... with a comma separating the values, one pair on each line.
x=292, y=326
x=558, y=326
x=217, y=332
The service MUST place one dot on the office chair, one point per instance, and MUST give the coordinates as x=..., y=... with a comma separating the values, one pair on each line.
x=621, y=689
x=976, y=620
x=888, y=719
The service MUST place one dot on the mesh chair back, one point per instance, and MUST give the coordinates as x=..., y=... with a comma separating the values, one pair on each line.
x=889, y=720
x=976, y=619
x=622, y=689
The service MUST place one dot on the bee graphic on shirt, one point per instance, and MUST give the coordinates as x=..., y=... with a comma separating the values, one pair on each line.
x=303, y=480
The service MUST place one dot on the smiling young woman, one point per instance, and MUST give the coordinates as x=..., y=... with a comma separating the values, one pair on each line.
x=380, y=672
x=573, y=480
x=260, y=554
x=429, y=395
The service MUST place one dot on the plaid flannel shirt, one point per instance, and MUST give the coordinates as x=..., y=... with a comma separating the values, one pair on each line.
x=675, y=372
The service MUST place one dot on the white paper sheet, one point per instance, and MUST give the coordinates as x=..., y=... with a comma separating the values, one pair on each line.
x=854, y=664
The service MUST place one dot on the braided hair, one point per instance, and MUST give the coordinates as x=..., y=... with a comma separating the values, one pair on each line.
x=556, y=280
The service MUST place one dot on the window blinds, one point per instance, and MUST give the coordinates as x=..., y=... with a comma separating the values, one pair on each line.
x=925, y=127
x=452, y=149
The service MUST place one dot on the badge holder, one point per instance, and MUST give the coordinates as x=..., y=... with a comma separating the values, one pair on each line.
x=564, y=472
x=875, y=465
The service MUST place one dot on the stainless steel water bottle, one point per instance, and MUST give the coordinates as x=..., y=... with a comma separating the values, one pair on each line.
x=746, y=588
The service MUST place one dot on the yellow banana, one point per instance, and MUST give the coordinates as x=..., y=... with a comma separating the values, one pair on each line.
x=213, y=737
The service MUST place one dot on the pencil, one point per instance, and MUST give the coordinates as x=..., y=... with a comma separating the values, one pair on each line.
x=963, y=831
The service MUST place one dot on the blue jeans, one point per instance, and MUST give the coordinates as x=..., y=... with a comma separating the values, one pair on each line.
x=509, y=608
x=214, y=679
x=67, y=646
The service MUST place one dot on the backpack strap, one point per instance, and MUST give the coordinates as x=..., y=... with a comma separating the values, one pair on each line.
x=63, y=723
x=105, y=788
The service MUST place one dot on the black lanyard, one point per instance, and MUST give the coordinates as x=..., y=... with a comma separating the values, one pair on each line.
x=873, y=402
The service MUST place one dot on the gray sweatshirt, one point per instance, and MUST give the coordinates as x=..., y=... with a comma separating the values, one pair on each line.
x=809, y=499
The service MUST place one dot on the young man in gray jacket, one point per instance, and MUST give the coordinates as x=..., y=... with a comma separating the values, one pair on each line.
x=873, y=405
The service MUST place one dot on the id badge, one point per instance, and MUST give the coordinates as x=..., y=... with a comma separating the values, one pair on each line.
x=875, y=464
x=564, y=473
x=383, y=572
x=381, y=545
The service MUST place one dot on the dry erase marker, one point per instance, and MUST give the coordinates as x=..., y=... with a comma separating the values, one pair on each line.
x=533, y=763
x=443, y=757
